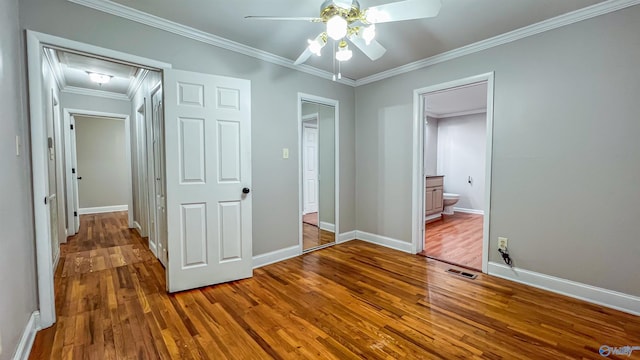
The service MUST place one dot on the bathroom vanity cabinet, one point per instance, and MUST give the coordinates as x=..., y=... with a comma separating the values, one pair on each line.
x=433, y=195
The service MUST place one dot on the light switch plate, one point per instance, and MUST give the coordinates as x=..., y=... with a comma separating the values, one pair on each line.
x=285, y=153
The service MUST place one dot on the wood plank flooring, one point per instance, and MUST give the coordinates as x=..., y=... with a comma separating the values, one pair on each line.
x=349, y=301
x=312, y=236
x=456, y=239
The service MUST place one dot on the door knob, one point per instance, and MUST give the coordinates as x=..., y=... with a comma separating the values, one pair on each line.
x=79, y=177
x=246, y=190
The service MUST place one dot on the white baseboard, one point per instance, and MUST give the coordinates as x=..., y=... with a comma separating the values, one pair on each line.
x=56, y=260
x=432, y=216
x=346, y=236
x=102, y=209
x=385, y=241
x=153, y=247
x=28, y=336
x=327, y=226
x=469, y=211
x=275, y=256
x=589, y=293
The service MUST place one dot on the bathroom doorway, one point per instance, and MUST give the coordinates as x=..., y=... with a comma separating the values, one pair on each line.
x=455, y=122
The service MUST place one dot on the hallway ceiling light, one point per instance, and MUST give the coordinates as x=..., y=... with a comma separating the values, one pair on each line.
x=99, y=78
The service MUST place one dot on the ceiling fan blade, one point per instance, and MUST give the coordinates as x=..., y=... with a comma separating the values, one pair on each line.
x=306, y=54
x=284, y=18
x=374, y=50
x=403, y=10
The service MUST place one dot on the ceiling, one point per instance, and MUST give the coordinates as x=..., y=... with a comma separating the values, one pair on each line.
x=72, y=71
x=460, y=23
x=459, y=101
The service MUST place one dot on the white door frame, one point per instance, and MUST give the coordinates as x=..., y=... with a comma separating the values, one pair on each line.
x=417, y=228
x=35, y=42
x=336, y=105
x=68, y=113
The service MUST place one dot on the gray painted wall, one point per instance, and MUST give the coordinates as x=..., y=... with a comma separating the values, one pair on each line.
x=18, y=298
x=462, y=154
x=274, y=107
x=102, y=162
x=565, y=152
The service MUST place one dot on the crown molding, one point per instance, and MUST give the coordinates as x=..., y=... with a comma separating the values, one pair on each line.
x=157, y=22
x=56, y=68
x=138, y=16
x=92, y=92
x=534, y=29
x=135, y=84
x=454, y=114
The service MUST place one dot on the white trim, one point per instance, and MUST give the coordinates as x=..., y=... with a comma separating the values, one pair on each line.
x=102, y=209
x=136, y=225
x=276, y=256
x=468, y=211
x=56, y=260
x=455, y=114
x=432, y=217
x=589, y=12
x=418, y=185
x=609, y=298
x=385, y=241
x=56, y=68
x=23, y=350
x=347, y=236
x=135, y=84
x=44, y=262
x=327, y=226
x=92, y=92
x=336, y=105
x=138, y=16
x=141, y=17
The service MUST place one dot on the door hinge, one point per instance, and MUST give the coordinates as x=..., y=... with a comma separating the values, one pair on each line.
x=75, y=213
x=73, y=170
x=71, y=126
x=45, y=200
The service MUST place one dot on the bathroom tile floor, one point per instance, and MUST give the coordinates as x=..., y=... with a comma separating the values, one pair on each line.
x=456, y=239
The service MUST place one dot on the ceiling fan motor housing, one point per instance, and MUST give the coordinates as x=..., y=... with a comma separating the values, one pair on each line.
x=329, y=9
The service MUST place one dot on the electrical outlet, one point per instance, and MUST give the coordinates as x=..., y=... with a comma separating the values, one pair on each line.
x=503, y=243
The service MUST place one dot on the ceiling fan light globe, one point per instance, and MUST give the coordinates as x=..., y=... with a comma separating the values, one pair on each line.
x=315, y=47
x=344, y=54
x=368, y=34
x=337, y=27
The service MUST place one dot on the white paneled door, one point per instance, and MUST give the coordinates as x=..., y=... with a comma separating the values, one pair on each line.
x=310, y=167
x=208, y=177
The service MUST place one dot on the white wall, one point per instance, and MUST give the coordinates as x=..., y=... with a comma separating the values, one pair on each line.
x=565, y=150
x=461, y=153
x=274, y=107
x=102, y=162
x=431, y=147
x=18, y=298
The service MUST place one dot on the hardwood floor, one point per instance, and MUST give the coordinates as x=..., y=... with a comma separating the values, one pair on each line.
x=349, y=301
x=455, y=239
x=313, y=237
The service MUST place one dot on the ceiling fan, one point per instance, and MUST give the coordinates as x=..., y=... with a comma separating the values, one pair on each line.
x=345, y=20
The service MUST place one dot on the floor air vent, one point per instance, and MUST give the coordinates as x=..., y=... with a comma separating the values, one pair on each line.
x=464, y=274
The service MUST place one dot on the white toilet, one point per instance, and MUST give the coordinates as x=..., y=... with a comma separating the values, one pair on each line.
x=448, y=200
